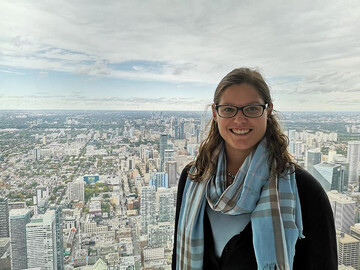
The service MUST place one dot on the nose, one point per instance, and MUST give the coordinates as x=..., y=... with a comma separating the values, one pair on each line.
x=240, y=117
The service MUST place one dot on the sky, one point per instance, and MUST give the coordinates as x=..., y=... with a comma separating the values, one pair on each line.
x=170, y=54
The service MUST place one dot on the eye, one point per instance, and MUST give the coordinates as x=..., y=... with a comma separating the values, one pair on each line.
x=228, y=109
x=253, y=109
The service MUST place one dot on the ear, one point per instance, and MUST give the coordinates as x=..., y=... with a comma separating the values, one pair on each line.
x=269, y=109
x=214, y=112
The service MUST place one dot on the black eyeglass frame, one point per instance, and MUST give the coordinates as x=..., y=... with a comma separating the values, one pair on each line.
x=240, y=109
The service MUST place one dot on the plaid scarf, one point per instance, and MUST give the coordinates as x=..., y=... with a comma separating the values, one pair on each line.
x=272, y=201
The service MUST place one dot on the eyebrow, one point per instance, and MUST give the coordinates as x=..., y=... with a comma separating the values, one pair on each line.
x=250, y=103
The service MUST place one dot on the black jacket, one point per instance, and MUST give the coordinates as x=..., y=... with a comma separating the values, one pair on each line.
x=317, y=251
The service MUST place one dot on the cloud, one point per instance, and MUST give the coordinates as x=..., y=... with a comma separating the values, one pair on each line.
x=11, y=72
x=43, y=74
x=302, y=47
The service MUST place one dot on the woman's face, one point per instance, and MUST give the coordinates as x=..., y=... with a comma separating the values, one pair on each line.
x=240, y=133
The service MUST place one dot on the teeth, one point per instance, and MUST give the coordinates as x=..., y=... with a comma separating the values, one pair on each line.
x=241, y=131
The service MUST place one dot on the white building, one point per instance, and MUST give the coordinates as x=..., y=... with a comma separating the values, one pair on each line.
x=166, y=205
x=76, y=190
x=348, y=249
x=343, y=208
x=353, y=157
x=147, y=207
x=41, y=241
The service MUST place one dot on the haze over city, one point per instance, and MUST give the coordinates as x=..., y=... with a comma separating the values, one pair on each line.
x=170, y=55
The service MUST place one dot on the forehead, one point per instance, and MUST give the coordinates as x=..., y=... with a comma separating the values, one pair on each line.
x=240, y=94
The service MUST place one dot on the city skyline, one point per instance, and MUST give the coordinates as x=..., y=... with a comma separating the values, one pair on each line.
x=170, y=56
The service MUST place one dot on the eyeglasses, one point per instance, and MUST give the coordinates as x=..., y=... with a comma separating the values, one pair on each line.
x=251, y=111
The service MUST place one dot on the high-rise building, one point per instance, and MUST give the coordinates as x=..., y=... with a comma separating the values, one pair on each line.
x=147, y=207
x=313, y=157
x=76, y=190
x=166, y=206
x=59, y=235
x=41, y=200
x=182, y=130
x=353, y=157
x=159, y=179
x=348, y=249
x=162, y=147
x=171, y=170
x=343, y=208
x=41, y=241
x=4, y=217
x=18, y=220
x=330, y=176
x=168, y=155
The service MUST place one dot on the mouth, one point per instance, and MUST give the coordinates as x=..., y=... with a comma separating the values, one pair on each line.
x=240, y=131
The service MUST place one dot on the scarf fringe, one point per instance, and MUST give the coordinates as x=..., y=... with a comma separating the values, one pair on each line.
x=268, y=266
x=272, y=266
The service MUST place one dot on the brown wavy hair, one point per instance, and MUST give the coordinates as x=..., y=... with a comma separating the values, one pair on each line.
x=206, y=161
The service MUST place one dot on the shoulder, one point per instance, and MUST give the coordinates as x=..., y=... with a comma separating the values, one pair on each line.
x=182, y=179
x=313, y=198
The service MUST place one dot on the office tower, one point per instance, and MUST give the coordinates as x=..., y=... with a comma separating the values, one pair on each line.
x=147, y=207
x=171, y=170
x=353, y=157
x=348, y=249
x=41, y=200
x=18, y=220
x=168, y=156
x=41, y=241
x=182, y=130
x=159, y=179
x=59, y=235
x=4, y=217
x=329, y=175
x=345, y=174
x=298, y=149
x=166, y=206
x=313, y=157
x=162, y=147
x=76, y=190
x=343, y=208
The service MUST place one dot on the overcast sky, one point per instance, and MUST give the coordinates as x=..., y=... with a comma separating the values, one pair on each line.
x=170, y=55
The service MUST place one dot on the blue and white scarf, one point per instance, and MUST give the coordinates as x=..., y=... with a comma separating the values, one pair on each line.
x=272, y=201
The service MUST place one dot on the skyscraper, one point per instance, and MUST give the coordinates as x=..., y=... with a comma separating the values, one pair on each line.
x=171, y=170
x=313, y=157
x=76, y=190
x=162, y=147
x=41, y=241
x=147, y=207
x=59, y=235
x=330, y=176
x=18, y=220
x=159, y=179
x=353, y=157
x=166, y=206
x=343, y=208
x=4, y=217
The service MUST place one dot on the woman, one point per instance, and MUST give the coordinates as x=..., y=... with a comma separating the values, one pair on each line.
x=243, y=203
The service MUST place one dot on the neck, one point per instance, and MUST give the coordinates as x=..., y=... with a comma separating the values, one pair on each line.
x=235, y=159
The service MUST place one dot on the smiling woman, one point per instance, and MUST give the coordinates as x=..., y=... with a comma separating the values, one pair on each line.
x=244, y=203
